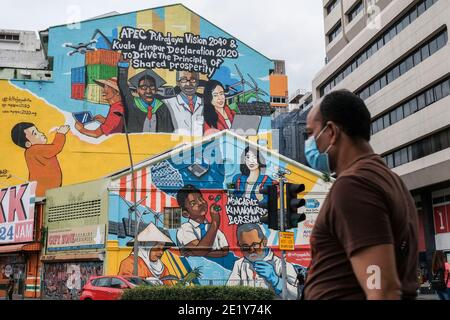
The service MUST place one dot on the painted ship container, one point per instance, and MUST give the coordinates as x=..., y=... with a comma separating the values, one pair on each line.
x=100, y=72
x=94, y=94
x=78, y=90
x=102, y=56
x=78, y=75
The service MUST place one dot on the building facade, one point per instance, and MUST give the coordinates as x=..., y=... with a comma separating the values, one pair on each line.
x=185, y=196
x=395, y=56
x=172, y=75
x=22, y=56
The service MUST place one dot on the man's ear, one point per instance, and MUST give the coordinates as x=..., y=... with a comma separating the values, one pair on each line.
x=28, y=144
x=265, y=243
x=185, y=214
x=335, y=132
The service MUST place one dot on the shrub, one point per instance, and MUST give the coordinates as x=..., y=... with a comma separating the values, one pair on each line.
x=198, y=293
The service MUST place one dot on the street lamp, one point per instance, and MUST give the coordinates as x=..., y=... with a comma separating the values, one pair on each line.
x=134, y=207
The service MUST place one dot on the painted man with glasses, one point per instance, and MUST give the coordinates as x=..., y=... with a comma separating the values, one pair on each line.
x=260, y=267
x=144, y=112
x=187, y=107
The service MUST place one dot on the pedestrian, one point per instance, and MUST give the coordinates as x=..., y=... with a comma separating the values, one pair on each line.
x=441, y=273
x=300, y=282
x=10, y=287
x=364, y=242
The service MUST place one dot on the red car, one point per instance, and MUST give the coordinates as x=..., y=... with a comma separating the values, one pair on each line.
x=109, y=287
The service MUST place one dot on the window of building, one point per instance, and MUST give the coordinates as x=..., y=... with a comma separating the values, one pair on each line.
x=9, y=37
x=172, y=218
x=355, y=11
x=399, y=69
x=390, y=160
x=446, y=88
x=335, y=32
x=399, y=113
x=421, y=100
x=393, y=114
x=422, y=148
x=425, y=52
x=332, y=5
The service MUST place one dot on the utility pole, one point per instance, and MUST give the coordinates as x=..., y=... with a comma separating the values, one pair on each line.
x=134, y=207
x=283, y=252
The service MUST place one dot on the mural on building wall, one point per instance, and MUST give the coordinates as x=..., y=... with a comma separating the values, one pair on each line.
x=204, y=204
x=165, y=75
x=63, y=281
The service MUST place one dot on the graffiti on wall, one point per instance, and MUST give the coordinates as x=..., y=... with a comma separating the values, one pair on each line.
x=64, y=281
x=208, y=218
x=164, y=72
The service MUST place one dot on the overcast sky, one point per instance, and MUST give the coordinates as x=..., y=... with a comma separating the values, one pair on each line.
x=290, y=30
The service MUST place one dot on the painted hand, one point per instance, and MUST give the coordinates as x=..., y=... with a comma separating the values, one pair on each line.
x=78, y=126
x=267, y=271
x=63, y=129
x=215, y=214
x=100, y=118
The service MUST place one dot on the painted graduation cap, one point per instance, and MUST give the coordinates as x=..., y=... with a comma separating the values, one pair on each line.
x=134, y=81
x=152, y=234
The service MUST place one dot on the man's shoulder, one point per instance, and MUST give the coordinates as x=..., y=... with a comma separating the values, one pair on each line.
x=186, y=226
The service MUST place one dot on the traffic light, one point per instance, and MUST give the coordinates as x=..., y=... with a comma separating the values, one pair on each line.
x=292, y=204
x=272, y=217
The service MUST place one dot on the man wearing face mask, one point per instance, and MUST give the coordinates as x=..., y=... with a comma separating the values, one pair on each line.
x=260, y=267
x=364, y=242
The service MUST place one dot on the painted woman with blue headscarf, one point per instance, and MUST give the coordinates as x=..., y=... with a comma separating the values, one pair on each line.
x=252, y=178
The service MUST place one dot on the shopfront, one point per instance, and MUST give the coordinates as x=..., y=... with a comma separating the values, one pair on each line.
x=75, y=220
x=20, y=234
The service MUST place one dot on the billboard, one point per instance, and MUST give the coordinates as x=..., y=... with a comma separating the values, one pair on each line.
x=17, y=213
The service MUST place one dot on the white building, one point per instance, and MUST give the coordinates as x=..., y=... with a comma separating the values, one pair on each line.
x=22, y=56
x=395, y=55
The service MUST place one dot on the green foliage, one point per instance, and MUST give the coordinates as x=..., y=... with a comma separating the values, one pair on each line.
x=198, y=293
x=326, y=177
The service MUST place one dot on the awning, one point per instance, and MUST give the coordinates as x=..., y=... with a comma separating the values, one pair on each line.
x=35, y=246
x=73, y=257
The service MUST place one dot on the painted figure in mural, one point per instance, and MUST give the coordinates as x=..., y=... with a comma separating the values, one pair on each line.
x=186, y=107
x=144, y=112
x=42, y=162
x=113, y=123
x=198, y=237
x=217, y=114
x=152, y=245
x=252, y=179
x=260, y=267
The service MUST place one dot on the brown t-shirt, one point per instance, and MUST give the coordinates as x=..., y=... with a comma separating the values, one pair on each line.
x=368, y=205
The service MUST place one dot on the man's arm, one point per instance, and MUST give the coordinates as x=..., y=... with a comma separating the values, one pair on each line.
x=51, y=150
x=375, y=269
x=127, y=98
x=90, y=133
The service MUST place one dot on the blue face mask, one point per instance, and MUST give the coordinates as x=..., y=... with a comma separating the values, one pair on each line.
x=318, y=161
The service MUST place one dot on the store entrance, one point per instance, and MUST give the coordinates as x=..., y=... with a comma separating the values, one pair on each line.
x=15, y=265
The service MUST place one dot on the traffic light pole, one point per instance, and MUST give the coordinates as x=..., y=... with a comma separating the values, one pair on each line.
x=283, y=252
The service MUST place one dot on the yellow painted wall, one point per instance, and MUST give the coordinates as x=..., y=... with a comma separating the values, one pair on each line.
x=80, y=161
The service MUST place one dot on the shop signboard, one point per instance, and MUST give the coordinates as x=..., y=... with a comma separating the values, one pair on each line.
x=17, y=213
x=86, y=237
